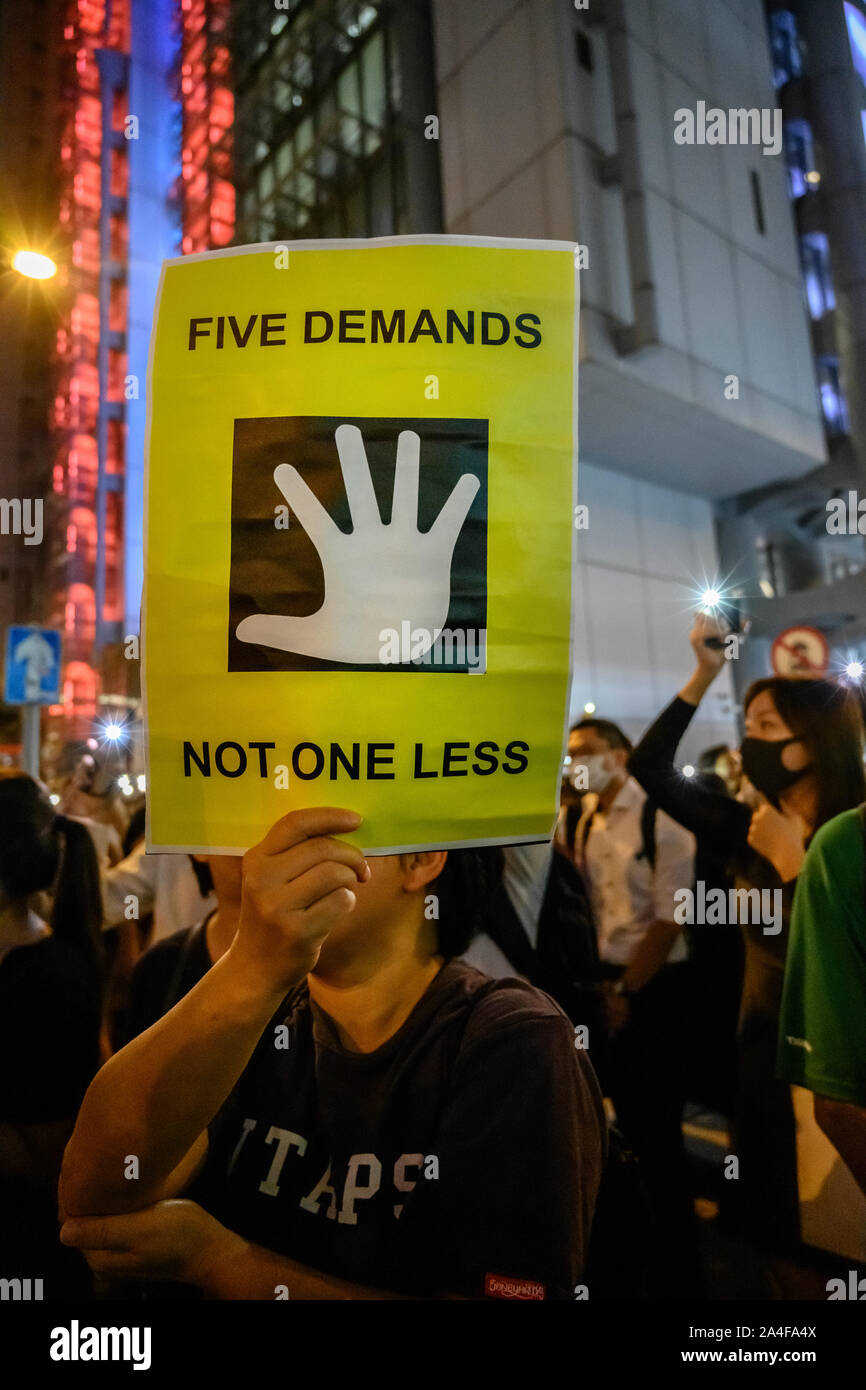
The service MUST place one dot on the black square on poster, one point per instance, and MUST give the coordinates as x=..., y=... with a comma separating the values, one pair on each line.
x=385, y=573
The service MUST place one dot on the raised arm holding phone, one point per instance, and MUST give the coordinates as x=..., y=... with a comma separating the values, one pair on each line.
x=803, y=756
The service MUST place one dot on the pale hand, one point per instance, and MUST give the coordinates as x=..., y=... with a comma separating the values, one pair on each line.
x=378, y=576
x=709, y=660
x=298, y=884
x=779, y=838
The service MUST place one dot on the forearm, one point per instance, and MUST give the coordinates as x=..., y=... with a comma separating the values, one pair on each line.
x=845, y=1126
x=157, y=1095
x=240, y=1270
x=650, y=954
x=697, y=686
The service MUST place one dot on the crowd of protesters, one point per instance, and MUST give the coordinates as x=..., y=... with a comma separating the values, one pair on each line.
x=356, y=1095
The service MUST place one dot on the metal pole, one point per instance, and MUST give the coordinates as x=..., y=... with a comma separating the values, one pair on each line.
x=30, y=738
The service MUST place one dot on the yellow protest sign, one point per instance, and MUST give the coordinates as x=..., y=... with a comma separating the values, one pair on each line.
x=359, y=540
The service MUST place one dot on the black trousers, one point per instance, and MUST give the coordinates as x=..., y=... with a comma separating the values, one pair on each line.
x=765, y=1129
x=645, y=1076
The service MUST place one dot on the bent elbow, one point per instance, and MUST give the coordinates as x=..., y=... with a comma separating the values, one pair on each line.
x=72, y=1188
x=84, y=1188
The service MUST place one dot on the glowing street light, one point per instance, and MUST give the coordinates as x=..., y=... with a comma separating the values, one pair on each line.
x=34, y=265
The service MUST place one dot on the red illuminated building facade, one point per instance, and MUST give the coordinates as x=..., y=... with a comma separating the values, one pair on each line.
x=90, y=354
x=145, y=158
x=206, y=193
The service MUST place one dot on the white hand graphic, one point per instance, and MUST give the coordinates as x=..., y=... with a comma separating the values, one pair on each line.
x=378, y=576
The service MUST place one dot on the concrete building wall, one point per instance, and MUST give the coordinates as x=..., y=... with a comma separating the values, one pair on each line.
x=641, y=562
x=524, y=131
x=682, y=288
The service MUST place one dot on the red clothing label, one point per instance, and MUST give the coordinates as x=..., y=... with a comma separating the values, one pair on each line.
x=499, y=1286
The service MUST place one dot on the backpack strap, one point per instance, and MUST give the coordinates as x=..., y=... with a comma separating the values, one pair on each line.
x=584, y=829
x=502, y=924
x=173, y=989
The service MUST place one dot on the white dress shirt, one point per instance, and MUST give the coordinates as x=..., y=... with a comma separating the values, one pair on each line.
x=164, y=884
x=626, y=893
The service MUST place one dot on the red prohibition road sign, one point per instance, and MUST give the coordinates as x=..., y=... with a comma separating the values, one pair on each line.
x=800, y=651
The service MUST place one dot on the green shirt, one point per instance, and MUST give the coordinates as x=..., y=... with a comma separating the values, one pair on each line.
x=822, y=1035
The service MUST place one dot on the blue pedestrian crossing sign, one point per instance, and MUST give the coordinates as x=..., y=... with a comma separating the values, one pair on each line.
x=32, y=666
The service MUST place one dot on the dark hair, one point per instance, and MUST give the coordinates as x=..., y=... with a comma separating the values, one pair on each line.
x=134, y=831
x=38, y=850
x=468, y=880
x=827, y=717
x=710, y=756
x=204, y=877
x=606, y=729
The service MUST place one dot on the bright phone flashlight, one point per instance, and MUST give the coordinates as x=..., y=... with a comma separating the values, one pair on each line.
x=854, y=670
x=710, y=599
x=34, y=265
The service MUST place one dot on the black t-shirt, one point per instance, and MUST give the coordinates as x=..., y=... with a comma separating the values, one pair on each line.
x=49, y=1030
x=162, y=976
x=466, y=1149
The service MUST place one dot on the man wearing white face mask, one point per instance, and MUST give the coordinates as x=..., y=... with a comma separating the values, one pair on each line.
x=634, y=859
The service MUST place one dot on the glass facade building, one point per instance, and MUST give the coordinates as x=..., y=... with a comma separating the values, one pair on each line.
x=321, y=147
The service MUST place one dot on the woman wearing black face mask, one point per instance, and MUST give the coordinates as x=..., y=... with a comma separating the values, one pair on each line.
x=803, y=756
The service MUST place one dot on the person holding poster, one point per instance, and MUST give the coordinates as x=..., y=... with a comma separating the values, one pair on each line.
x=361, y=479
x=339, y=1109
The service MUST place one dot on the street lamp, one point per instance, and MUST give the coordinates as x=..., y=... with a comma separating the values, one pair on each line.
x=34, y=265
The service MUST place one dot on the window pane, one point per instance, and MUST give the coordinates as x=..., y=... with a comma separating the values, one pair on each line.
x=284, y=159
x=382, y=221
x=800, y=154
x=856, y=22
x=266, y=181
x=348, y=99
x=373, y=78
x=815, y=259
x=787, y=62
x=356, y=221
x=303, y=138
